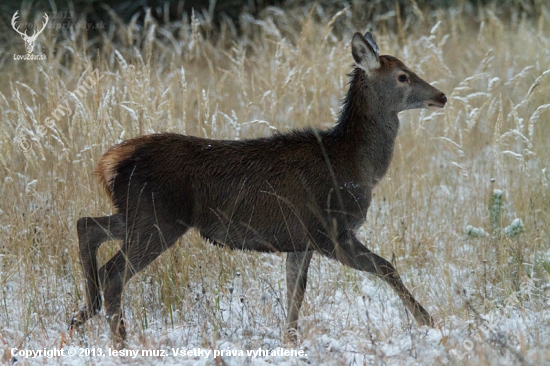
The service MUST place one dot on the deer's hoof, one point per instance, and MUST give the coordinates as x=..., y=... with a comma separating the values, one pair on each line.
x=118, y=330
x=290, y=337
x=426, y=319
x=79, y=318
x=429, y=321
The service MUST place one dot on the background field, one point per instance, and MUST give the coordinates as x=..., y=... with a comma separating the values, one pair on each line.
x=281, y=70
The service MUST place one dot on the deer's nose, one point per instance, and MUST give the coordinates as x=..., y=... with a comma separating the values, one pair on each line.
x=443, y=98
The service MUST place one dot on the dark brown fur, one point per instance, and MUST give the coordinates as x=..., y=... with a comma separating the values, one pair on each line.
x=294, y=192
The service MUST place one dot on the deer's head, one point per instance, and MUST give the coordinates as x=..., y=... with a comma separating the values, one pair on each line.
x=29, y=40
x=402, y=88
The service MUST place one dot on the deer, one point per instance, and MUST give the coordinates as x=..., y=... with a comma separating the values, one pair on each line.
x=29, y=40
x=297, y=192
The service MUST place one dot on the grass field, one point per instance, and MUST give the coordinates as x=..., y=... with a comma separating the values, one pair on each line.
x=480, y=163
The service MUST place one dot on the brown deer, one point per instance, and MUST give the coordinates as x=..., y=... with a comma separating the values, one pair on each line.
x=298, y=192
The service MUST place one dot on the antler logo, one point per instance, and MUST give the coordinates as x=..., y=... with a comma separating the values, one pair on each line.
x=29, y=40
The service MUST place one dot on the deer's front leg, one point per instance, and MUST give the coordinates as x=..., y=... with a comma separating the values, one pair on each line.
x=353, y=253
x=297, y=264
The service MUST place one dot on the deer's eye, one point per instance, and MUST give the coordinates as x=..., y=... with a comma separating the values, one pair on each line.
x=403, y=78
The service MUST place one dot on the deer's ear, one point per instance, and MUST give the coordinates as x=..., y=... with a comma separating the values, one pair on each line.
x=368, y=37
x=364, y=54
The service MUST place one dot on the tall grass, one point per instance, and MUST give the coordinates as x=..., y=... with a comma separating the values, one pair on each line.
x=282, y=71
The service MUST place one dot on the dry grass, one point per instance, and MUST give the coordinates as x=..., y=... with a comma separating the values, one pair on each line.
x=288, y=70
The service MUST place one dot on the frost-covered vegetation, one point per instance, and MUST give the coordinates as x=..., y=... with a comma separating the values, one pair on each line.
x=487, y=288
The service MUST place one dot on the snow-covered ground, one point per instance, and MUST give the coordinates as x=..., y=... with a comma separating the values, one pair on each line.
x=348, y=318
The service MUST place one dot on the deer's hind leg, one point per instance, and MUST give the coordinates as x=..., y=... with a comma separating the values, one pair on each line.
x=141, y=247
x=297, y=265
x=92, y=232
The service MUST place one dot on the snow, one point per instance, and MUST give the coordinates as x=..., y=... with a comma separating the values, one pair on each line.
x=475, y=232
x=515, y=228
x=359, y=326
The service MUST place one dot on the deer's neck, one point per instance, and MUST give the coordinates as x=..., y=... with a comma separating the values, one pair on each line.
x=367, y=129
